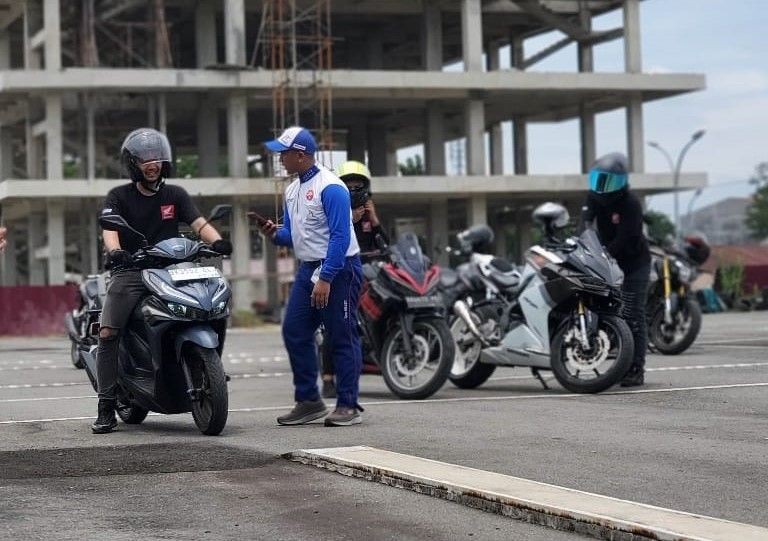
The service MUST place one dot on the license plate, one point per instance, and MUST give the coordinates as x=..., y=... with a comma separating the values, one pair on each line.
x=193, y=273
x=424, y=302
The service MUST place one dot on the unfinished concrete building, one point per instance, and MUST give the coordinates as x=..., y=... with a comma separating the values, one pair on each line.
x=221, y=76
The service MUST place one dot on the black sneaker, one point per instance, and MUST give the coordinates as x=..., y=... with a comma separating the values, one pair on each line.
x=634, y=378
x=106, y=421
x=344, y=417
x=304, y=412
x=329, y=389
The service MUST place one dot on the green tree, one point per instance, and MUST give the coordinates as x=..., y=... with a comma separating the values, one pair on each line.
x=659, y=225
x=412, y=166
x=757, y=212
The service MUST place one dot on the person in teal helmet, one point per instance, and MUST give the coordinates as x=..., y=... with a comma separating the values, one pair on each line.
x=617, y=215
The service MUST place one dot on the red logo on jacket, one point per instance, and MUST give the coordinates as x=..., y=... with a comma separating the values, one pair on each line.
x=310, y=195
x=168, y=212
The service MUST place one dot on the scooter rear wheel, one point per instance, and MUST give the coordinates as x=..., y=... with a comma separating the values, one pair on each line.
x=211, y=409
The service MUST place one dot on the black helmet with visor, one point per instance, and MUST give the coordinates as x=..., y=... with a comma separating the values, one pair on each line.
x=144, y=146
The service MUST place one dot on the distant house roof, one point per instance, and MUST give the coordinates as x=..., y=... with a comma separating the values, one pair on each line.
x=753, y=257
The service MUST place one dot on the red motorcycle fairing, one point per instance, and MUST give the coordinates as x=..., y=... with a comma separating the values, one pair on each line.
x=402, y=277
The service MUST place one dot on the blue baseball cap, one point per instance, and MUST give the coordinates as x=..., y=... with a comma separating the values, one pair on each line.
x=293, y=138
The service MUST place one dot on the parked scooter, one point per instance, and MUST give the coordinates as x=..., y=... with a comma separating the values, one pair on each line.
x=674, y=314
x=562, y=315
x=401, y=320
x=170, y=352
x=82, y=323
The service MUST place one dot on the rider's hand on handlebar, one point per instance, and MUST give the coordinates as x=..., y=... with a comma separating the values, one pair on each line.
x=222, y=246
x=120, y=258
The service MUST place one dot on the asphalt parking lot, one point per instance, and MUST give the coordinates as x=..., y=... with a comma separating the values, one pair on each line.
x=694, y=439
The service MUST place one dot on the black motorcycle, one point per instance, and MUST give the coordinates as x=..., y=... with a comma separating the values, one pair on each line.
x=170, y=352
x=82, y=323
x=673, y=313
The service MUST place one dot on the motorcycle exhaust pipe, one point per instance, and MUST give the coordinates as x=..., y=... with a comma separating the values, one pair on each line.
x=461, y=310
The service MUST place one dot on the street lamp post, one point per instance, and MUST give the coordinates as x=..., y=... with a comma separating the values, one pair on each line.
x=675, y=168
x=690, y=223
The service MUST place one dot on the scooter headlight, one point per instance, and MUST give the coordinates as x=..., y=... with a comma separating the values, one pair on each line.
x=220, y=308
x=177, y=309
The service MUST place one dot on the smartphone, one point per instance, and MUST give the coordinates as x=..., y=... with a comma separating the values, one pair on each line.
x=261, y=220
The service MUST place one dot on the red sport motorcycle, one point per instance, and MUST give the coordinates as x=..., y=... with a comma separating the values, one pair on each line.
x=402, y=321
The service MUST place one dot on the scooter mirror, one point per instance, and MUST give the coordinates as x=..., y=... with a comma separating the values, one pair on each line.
x=220, y=211
x=115, y=222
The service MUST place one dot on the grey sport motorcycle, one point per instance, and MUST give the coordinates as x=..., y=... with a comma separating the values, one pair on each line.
x=560, y=314
x=169, y=357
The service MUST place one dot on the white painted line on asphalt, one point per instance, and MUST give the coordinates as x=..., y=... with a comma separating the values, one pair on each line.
x=260, y=375
x=395, y=402
x=729, y=341
x=558, y=507
x=40, y=399
x=44, y=367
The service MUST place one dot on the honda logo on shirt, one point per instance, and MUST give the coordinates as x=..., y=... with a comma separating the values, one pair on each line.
x=168, y=212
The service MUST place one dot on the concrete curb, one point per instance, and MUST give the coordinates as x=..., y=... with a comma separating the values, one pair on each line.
x=557, y=507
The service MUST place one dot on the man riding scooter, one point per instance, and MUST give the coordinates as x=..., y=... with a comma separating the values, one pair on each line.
x=154, y=209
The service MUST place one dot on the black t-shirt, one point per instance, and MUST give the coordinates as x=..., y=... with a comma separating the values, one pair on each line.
x=157, y=217
x=620, y=227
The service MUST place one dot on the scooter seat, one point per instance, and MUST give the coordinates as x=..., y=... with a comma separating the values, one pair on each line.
x=505, y=280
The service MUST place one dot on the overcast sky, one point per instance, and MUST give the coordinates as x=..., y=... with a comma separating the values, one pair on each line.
x=727, y=40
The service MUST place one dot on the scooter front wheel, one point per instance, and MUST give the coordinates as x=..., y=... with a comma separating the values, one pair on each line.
x=210, y=408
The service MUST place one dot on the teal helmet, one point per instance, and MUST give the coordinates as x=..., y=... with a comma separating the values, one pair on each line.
x=609, y=174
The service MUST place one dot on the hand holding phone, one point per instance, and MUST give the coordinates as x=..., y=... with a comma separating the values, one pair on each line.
x=267, y=226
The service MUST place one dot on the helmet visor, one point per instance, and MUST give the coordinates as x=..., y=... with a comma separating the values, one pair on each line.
x=602, y=182
x=147, y=145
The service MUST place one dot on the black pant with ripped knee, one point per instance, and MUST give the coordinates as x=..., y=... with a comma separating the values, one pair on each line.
x=125, y=290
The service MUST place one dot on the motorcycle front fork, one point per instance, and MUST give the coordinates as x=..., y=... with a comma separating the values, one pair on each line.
x=583, y=336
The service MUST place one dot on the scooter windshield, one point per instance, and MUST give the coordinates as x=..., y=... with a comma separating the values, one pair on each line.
x=178, y=249
x=410, y=257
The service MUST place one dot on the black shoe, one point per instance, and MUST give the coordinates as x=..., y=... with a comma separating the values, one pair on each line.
x=329, y=389
x=634, y=378
x=304, y=412
x=106, y=421
x=344, y=417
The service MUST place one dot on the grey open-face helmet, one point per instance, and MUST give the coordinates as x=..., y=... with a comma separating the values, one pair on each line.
x=552, y=215
x=142, y=146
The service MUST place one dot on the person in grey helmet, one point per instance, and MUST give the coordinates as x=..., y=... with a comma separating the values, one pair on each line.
x=155, y=210
x=617, y=215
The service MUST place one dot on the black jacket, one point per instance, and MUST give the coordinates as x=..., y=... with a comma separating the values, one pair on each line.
x=619, y=222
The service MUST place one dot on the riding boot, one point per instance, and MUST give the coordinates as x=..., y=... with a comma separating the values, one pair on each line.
x=106, y=421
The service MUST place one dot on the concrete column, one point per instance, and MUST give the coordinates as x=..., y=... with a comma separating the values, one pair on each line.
x=94, y=247
x=432, y=36
x=6, y=153
x=472, y=35
x=5, y=49
x=434, y=144
x=83, y=237
x=374, y=51
x=162, y=113
x=496, y=131
x=54, y=152
x=438, y=231
x=52, y=25
x=377, y=149
x=32, y=60
x=34, y=154
x=208, y=137
x=477, y=210
x=517, y=52
x=237, y=135
x=392, y=165
x=241, y=257
x=356, y=141
x=523, y=229
x=635, y=148
x=56, y=242
x=500, y=241
x=586, y=116
x=234, y=31
x=520, y=145
x=205, y=32
x=35, y=239
x=9, y=270
x=271, y=278
x=474, y=122
x=90, y=136
x=632, y=49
